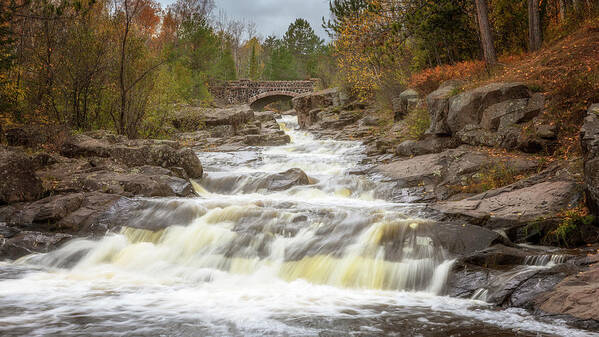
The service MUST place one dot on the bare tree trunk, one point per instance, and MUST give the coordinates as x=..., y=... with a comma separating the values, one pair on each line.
x=562, y=11
x=485, y=32
x=535, y=35
x=122, y=88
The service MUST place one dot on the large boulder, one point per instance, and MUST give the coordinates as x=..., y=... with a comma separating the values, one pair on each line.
x=508, y=207
x=441, y=176
x=590, y=148
x=468, y=107
x=231, y=116
x=227, y=183
x=437, y=103
x=576, y=296
x=285, y=180
x=22, y=243
x=308, y=105
x=69, y=212
x=135, y=153
x=407, y=100
x=429, y=144
x=18, y=182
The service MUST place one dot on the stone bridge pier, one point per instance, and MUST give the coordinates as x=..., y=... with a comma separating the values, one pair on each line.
x=259, y=94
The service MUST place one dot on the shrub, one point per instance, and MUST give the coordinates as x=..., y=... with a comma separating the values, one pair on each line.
x=430, y=79
x=568, y=229
x=416, y=122
x=495, y=176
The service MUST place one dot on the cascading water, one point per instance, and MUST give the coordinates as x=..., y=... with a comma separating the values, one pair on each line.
x=324, y=257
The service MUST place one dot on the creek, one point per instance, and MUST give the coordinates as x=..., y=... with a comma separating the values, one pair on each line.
x=248, y=257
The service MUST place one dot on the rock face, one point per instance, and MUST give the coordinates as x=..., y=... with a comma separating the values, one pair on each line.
x=407, y=100
x=438, y=108
x=308, y=105
x=18, y=182
x=495, y=115
x=590, y=147
x=469, y=107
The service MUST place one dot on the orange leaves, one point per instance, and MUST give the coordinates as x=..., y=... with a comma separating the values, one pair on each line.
x=149, y=17
x=429, y=79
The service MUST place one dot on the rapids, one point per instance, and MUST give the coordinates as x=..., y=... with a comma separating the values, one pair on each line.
x=330, y=258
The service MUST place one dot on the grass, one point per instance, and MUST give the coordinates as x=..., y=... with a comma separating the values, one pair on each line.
x=417, y=121
x=495, y=176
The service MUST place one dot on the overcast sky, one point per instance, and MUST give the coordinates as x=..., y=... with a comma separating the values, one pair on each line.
x=274, y=16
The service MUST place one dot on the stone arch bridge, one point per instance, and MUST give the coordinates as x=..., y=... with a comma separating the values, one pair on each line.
x=259, y=94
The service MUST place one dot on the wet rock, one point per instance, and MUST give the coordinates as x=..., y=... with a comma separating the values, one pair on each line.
x=152, y=214
x=500, y=272
x=575, y=296
x=145, y=181
x=265, y=116
x=507, y=208
x=306, y=105
x=70, y=212
x=590, y=148
x=285, y=180
x=496, y=256
x=430, y=144
x=30, y=242
x=469, y=107
x=18, y=182
x=268, y=139
x=135, y=153
x=235, y=115
x=463, y=239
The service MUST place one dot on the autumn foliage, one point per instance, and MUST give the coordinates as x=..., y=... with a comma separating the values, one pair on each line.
x=429, y=80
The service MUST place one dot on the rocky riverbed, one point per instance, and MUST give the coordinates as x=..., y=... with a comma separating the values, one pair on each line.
x=320, y=194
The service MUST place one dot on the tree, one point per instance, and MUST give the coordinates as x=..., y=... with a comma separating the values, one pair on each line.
x=535, y=34
x=6, y=54
x=281, y=65
x=485, y=32
x=340, y=10
x=254, y=71
x=133, y=68
x=303, y=44
x=300, y=38
x=440, y=32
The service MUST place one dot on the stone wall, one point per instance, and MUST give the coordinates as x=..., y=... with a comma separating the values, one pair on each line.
x=247, y=91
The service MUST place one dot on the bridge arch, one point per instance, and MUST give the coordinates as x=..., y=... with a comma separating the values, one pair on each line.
x=260, y=93
x=258, y=102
